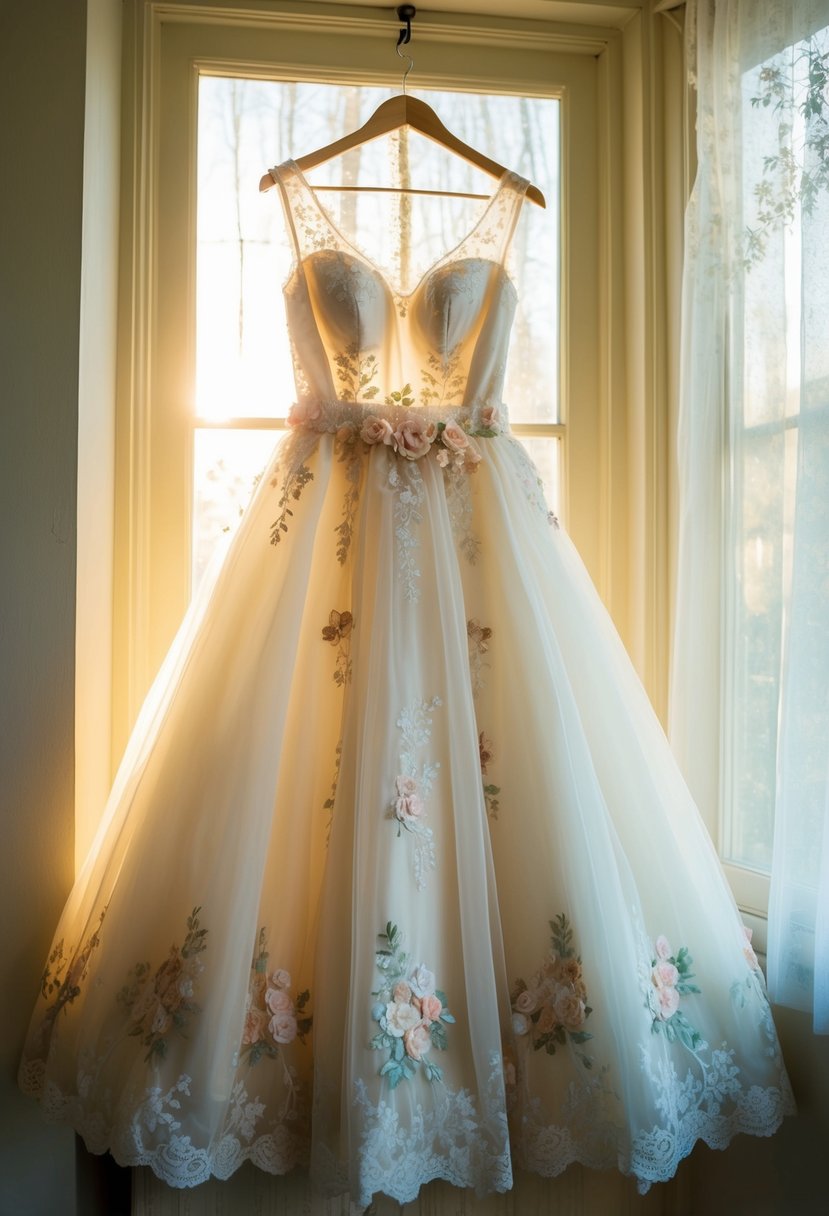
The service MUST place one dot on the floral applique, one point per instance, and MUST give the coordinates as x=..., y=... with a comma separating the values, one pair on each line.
x=338, y=632
x=62, y=984
x=491, y=792
x=411, y=1012
x=161, y=1001
x=413, y=786
x=670, y=979
x=552, y=1009
x=478, y=639
x=273, y=1018
x=292, y=488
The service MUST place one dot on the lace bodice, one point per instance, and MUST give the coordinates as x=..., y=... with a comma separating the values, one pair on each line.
x=358, y=340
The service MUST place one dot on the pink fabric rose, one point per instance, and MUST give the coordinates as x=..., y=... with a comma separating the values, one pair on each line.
x=430, y=1009
x=345, y=432
x=666, y=975
x=490, y=418
x=663, y=949
x=278, y=1001
x=376, y=430
x=408, y=805
x=455, y=438
x=303, y=412
x=283, y=1027
x=668, y=999
x=417, y=1042
x=281, y=979
x=526, y=1001
x=414, y=437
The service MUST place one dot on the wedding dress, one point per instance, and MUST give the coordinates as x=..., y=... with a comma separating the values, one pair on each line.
x=398, y=878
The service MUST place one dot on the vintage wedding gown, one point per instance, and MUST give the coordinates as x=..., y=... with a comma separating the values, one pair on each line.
x=398, y=877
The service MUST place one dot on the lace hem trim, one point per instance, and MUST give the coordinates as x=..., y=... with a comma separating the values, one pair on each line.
x=544, y=1150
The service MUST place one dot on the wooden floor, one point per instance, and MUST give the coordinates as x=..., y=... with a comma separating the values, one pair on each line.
x=578, y=1192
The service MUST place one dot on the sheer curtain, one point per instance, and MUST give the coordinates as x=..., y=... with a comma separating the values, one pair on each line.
x=750, y=686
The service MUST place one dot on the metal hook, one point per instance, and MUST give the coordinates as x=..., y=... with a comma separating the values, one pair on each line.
x=405, y=13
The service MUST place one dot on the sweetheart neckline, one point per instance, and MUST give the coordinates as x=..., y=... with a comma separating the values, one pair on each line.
x=369, y=265
x=362, y=256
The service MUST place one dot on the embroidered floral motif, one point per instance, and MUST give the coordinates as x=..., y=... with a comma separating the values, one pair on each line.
x=411, y=1012
x=491, y=792
x=552, y=1009
x=292, y=488
x=459, y=505
x=408, y=484
x=356, y=371
x=338, y=632
x=670, y=979
x=62, y=984
x=478, y=639
x=414, y=784
x=161, y=1001
x=273, y=1018
x=443, y=380
x=353, y=474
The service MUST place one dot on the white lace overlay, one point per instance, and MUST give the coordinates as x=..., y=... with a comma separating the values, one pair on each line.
x=444, y=1135
x=407, y=482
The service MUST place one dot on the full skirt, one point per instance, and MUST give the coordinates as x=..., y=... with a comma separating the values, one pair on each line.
x=398, y=878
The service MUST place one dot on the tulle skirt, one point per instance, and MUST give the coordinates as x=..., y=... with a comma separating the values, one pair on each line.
x=398, y=878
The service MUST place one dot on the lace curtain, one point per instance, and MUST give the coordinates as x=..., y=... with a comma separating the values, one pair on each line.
x=750, y=686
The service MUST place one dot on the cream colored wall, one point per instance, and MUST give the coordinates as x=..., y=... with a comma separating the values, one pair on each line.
x=42, y=70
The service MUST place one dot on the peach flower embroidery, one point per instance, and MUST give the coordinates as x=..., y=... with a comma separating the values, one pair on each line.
x=550, y=1011
x=410, y=1012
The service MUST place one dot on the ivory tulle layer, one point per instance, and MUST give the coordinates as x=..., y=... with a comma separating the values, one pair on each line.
x=399, y=878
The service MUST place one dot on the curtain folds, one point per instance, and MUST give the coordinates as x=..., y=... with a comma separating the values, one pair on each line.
x=750, y=679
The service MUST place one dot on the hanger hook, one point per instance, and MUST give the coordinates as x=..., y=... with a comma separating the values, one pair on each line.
x=405, y=13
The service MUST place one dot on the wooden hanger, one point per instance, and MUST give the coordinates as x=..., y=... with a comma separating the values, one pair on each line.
x=391, y=115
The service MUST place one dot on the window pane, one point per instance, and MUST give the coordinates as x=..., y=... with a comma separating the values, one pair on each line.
x=227, y=465
x=243, y=256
